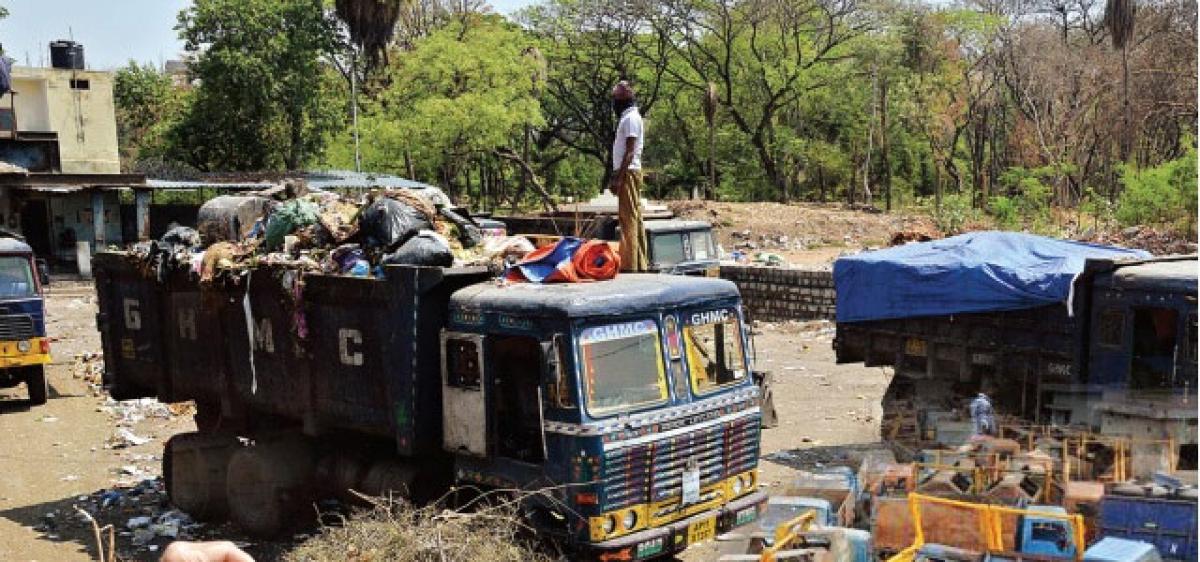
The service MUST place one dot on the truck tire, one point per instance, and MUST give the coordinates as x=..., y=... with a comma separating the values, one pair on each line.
x=35, y=380
x=269, y=486
x=194, y=473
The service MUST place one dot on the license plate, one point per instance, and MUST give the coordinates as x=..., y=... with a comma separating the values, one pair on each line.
x=691, y=484
x=702, y=530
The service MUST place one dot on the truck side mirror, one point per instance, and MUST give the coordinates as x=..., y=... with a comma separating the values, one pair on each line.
x=43, y=271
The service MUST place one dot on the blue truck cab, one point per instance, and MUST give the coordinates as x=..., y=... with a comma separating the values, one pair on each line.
x=24, y=348
x=630, y=400
x=1045, y=536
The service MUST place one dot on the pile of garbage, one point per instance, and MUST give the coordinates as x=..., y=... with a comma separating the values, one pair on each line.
x=322, y=232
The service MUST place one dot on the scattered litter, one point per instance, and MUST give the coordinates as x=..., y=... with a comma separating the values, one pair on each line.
x=125, y=438
x=48, y=419
x=69, y=478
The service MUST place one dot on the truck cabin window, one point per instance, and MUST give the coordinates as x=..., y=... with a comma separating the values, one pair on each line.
x=16, y=278
x=1154, y=340
x=714, y=349
x=621, y=367
x=702, y=245
x=668, y=249
x=517, y=368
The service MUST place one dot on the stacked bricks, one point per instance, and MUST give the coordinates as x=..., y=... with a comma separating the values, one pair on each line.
x=773, y=294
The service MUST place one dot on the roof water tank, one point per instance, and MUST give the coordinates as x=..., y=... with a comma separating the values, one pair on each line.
x=66, y=54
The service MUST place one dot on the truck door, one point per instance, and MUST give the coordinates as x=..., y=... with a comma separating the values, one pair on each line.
x=517, y=397
x=464, y=394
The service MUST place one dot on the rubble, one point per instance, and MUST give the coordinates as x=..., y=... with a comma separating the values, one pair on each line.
x=1157, y=242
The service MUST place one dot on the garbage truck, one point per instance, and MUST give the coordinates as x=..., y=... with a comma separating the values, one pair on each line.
x=1053, y=331
x=622, y=412
x=24, y=347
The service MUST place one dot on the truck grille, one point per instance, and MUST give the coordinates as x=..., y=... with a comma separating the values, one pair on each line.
x=16, y=327
x=652, y=472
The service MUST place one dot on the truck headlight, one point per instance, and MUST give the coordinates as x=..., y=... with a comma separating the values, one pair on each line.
x=629, y=520
x=23, y=346
x=610, y=524
x=738, y=486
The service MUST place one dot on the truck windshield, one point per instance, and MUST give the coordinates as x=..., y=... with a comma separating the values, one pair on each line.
x=16, y=278
x=714, y=349
x=622, y=366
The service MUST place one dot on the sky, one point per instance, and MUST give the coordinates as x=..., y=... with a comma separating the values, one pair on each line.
x=112, y=32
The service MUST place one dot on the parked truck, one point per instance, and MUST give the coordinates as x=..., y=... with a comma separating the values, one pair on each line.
x=625, y=408
x=1053, y=331
x=674, y=246
x=24, y=347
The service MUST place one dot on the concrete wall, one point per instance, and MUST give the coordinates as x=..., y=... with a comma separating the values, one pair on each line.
x=783, y=293
x=84, y=118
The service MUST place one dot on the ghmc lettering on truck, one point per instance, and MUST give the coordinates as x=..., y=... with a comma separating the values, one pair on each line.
x=624, y=406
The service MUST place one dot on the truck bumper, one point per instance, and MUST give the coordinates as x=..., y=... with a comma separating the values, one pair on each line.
x=37, y=352
x=672, y=538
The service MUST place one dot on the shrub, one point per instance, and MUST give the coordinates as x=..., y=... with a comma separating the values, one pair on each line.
x=1163, y=195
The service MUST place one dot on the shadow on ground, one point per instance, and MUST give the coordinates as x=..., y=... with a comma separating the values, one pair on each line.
x=826, y=456
x=59, y=521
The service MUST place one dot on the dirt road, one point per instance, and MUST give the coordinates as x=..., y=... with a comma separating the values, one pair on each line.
x=55, y=456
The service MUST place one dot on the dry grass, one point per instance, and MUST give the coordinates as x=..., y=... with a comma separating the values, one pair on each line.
x=397, y=531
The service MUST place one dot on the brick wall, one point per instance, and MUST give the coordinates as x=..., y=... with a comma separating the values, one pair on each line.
x=783, y=293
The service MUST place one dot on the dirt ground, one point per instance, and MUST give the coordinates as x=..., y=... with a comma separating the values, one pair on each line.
x=808, y=234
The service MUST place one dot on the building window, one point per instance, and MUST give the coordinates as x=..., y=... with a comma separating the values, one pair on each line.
x=80, y=84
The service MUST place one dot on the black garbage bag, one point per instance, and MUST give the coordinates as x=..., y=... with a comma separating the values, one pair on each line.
x=468, y=233
x=387, y=223
x=181, y=236
x=426, y=248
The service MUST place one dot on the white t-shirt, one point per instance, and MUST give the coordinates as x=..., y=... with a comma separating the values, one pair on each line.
x=629, y=126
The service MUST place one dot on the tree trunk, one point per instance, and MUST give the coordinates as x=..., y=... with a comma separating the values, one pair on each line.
x=883, y=142
x=712, y=162
x=296, y=120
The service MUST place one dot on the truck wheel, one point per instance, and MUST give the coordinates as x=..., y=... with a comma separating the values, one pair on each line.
x=194, y=472
x=269, y=485
x=35, y=380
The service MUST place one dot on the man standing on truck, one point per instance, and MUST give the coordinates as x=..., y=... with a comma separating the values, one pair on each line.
x=627, y=177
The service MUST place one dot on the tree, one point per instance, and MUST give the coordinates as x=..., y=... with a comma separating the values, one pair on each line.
x=590, y=45
x=761, y=54
x=264, y=100
x=147, y=106
x=463, y=94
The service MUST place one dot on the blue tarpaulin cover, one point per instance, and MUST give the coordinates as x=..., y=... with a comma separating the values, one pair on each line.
x=973, y=272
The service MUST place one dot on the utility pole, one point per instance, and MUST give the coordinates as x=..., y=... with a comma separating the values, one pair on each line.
x=354, y=107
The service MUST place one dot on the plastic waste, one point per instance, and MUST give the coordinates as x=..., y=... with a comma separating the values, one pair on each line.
x=468, y=233
x=426, y=248
x=181, y=236
x=388, y=223
x=286, y=219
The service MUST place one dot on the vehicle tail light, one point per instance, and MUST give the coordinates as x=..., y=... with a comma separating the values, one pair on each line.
x=45, y=345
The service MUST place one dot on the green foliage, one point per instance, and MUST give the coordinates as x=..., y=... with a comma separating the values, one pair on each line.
x=461, y=94
x=265, y=100
x=1004, y=210
x=954, y=213
x=1163, y=195
x=147, y=106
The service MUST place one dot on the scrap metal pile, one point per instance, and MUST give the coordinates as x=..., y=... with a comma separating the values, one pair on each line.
x=320, y=232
